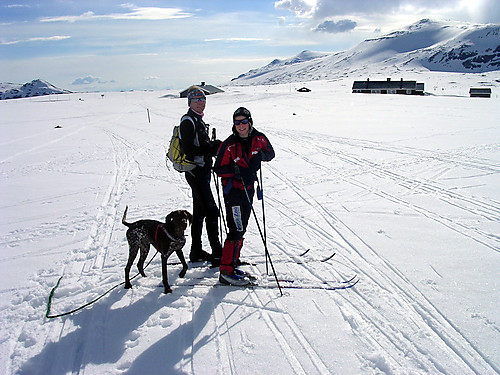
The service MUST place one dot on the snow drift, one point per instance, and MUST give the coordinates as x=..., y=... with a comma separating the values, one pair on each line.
x=403, y=189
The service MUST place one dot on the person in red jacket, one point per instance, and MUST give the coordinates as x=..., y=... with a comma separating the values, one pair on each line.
x=238, y=160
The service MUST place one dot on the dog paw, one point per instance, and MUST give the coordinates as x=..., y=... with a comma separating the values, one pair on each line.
x=182, y=273
x=167, y=290
x=128, y=286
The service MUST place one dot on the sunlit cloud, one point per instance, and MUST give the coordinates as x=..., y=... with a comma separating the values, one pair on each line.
x=38, y=39
x=301, y=8
x=138, y=13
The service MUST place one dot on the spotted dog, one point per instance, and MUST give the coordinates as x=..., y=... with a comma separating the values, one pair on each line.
x=165, y=237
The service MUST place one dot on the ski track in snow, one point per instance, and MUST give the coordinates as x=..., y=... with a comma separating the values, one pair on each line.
x=391, y=282
x=405, y=334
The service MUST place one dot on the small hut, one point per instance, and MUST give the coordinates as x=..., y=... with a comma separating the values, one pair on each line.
x=481, y=92
x=207, y=89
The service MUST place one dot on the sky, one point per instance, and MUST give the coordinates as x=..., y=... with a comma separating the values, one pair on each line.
x=111, y=45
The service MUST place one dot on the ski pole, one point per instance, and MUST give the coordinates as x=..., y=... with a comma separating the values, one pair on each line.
x=261, y=197
x=222, y=218
x=262, y=236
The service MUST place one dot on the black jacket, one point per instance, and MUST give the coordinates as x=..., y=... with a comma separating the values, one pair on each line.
x=195, y=141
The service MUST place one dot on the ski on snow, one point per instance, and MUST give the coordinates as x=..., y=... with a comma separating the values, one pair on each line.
x=292, y=259
x=270, y=284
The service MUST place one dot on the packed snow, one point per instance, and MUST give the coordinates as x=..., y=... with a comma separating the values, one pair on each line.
x=403, y=189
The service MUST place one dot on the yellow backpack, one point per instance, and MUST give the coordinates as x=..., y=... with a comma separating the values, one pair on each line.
x=175, y=154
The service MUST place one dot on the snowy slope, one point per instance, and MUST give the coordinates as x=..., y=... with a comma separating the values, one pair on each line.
x=403, y=189
x=36, y=87
x=432, y=45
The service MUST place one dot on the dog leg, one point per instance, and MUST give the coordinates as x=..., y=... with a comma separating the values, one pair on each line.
x=142, y=259
x=131, y=257
x=180, y=255
x=167, y=289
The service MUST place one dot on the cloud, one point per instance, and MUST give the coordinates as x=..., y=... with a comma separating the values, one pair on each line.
x=333, y=27
x=331, y=8
x=37, y=39
x=475, y=11
x=298, y=7
x=86, y=81
x=151, y=78
x=136, y=13
x=17, y=6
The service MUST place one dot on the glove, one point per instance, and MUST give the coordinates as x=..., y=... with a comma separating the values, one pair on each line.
x=214, y=145
x=256, y=162
x=247, y=175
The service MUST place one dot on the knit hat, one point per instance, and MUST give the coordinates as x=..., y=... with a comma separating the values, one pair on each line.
x=242, y=111
x=195, y=92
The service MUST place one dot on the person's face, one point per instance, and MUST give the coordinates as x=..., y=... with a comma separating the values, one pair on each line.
x=198, y=103
x=241, y=128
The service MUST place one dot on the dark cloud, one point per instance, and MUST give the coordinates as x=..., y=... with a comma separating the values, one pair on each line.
x=86, y=81
x=333, y=27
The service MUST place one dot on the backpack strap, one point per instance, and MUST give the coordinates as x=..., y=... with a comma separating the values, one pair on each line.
x=187, y=117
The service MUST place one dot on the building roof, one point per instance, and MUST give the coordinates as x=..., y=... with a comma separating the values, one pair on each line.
x=207, y=89
x=387, y=85
x=484, y=90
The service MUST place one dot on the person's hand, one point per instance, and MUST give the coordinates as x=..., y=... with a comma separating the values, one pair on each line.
x=247, y=175
x=256, y=162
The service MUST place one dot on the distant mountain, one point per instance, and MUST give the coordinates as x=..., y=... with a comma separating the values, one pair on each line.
x=278, y=65
x=432, y=45
x=36, y=87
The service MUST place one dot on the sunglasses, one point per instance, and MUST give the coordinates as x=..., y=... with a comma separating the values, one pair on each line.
x=244, y=121
x=196, y=100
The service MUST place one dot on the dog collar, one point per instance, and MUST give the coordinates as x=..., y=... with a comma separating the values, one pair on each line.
x=180, y=240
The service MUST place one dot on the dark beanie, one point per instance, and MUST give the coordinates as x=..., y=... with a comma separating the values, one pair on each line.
x=242, y=111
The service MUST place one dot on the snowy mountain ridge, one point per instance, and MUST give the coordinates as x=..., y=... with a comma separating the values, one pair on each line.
x=36, y=87
x=425, y=45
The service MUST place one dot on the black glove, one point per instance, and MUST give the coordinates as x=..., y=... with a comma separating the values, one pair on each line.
x=256, y=162
x=247, y=175
x=214, y=146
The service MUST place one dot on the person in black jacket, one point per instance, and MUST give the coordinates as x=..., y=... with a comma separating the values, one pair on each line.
x=198, y=148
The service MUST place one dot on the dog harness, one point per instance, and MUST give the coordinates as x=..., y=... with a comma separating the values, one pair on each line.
x=175, y=245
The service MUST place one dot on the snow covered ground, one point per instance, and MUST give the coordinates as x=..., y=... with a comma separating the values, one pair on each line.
x=403, y=189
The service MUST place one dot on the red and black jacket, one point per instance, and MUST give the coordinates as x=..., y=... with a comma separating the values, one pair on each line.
x=247, y=154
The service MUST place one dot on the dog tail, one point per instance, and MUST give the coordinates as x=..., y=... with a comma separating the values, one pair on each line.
x=124, y=217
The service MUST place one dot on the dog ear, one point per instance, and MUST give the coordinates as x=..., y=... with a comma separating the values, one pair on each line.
x=188, y=216
x=170, y=217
